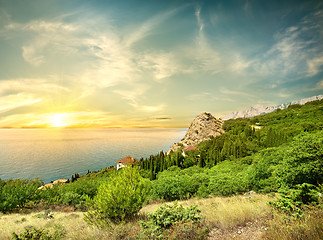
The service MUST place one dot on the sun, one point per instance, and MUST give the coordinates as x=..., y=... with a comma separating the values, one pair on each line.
x=58, y=120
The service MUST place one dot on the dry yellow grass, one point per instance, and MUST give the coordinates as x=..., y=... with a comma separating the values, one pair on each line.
x=73, y=223
x=227, y=212
x=220, y=212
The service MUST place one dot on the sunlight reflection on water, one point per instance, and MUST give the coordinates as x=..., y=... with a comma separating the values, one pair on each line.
x=58, y=153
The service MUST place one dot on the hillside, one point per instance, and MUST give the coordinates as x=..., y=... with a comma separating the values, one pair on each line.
x=278, y=152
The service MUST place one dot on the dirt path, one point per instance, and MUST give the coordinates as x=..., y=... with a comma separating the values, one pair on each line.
x=251, y=231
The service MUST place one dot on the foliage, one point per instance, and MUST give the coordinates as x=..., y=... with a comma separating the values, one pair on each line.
x=292, y=201
x=168, y=216
x=16, y=193
x=302, y=160
x=32, y=233
x=242, y=139
x=119, y=198
x=40, y=234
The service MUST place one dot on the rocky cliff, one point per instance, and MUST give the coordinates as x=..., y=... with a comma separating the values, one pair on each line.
x=259, y=109
x=203, y=127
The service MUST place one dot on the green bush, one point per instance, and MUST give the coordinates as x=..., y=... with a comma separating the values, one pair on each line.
x=302, y=160
x=292, y=201
x=32, y=233
x=72, y=198
x=120, y=198
x=171, y=188
x=166, y=216
x=16, y=193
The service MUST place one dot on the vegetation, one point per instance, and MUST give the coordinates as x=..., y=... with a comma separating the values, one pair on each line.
x=277, y=152
x=168, y=219
x=120, y=198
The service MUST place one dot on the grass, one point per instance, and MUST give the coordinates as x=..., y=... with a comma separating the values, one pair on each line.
x=224, y=216
x=72, y=223
x=309, y=227
x=227, y=212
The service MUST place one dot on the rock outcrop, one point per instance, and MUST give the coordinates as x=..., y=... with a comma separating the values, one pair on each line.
x=260, y=110
x=203, y=127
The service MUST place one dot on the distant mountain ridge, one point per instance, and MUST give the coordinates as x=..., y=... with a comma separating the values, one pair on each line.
x=257, y=110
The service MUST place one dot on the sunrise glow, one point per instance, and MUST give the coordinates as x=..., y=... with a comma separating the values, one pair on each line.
x=157, y=64
x=58, y=120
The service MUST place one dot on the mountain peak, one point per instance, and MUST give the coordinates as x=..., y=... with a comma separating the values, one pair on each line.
x=203, y=127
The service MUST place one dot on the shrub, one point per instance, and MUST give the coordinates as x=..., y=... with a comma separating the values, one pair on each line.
x=32, y=233
x=40, y=234
x=119, y=199
x=16, y=193
x=171, y=188
x=292, y=201
x=72, y=198
x=173, y=216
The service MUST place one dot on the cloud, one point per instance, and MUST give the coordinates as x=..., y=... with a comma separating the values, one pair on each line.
x=207, y=96
x=163, y=65
x=207, y=59
x=297, y=49
x=11, y=102
x=237, y=93
x=30, y=56
x=32, y=85
x=148, y=26
x=239, y=64
x=42, y=26
x=163, y=118
x=133, y=98
x=150, y=108
x=314, y=66
x=319, y=85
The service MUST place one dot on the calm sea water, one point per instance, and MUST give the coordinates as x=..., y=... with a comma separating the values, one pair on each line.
x=51, y=154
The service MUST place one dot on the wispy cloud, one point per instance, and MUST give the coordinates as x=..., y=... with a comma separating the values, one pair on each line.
x=30, y=56
x=315, y=65
x=207, y=59
x=163, y=65
x=32, y=85
x=207, y=96
x=11, y=102
x=319, y=85
x=297, y=48
x=133, y=98
x=239, y=64
x=238, y=93
x=42, y=26
x=147, y=27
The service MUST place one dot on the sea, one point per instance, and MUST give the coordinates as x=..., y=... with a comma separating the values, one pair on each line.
x=51, y=154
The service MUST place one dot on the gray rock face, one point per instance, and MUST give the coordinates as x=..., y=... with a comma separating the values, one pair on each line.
x=259, y=109
x=203, y=127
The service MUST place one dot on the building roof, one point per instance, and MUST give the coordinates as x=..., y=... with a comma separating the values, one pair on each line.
x=189, y=148
x=127, y=160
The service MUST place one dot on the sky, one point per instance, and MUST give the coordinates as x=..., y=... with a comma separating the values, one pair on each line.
x=133, y=64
